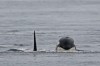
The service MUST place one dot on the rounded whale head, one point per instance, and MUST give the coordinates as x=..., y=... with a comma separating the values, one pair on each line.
x=66, y=43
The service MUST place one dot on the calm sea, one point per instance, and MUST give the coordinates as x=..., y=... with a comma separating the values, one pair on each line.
x=51, y=19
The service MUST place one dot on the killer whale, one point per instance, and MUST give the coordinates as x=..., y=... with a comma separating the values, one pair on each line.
x=65, y=44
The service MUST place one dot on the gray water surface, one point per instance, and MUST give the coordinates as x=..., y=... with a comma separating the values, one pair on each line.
x=54, y=59
x=52, y=19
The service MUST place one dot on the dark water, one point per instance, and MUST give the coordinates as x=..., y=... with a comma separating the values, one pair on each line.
x=52, y=19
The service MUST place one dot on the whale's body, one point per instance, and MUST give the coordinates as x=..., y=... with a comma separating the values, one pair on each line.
x=15, y=50
x=66, y=44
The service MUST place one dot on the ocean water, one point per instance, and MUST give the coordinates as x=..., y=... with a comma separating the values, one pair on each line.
x=51, y=19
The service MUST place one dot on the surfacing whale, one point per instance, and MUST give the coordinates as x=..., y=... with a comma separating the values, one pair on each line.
x=66, y=44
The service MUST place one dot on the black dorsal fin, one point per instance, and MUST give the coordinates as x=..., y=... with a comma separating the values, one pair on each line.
x=35, y=45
